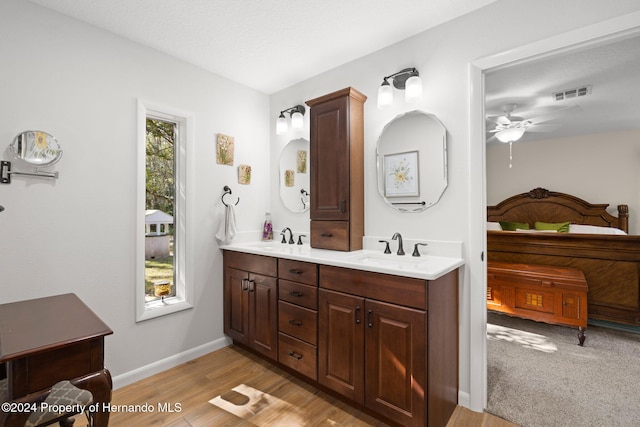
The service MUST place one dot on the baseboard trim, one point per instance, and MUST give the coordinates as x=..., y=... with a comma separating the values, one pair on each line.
x=464, y=399
x=156, y=367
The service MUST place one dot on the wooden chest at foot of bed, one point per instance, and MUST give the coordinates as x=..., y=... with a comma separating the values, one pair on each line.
x=555, y=295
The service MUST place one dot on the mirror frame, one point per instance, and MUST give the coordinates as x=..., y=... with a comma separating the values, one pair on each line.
x=295, y=192
x=409, y=202
x=37, y=148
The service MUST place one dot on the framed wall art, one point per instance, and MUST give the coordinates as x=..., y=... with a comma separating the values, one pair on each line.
x=401, y=171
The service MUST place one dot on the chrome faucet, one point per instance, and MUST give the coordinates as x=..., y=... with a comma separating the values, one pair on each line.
x=398, y=237
x=284, y=235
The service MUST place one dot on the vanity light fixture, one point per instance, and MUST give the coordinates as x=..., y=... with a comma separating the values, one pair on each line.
x=297, y=119
x=408, y=80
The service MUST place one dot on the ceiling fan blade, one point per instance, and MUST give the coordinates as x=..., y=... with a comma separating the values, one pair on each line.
x=554, y=114
x=543, y=128
x=492, y=139
x=501, y=120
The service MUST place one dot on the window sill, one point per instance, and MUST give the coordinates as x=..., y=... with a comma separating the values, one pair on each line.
x=159, y=308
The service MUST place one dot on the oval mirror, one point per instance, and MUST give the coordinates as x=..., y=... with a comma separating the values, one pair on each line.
x=412, y=161
x=36, y=148
x=294, y=175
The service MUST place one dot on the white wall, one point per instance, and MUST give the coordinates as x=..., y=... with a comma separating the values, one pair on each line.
x=599, y=168
x=442, y=55
x=76, y=234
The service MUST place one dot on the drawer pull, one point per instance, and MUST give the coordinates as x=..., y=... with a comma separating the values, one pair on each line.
x=326, y=235
x=355, y=313
x=343, y=206
x=295, y=355
x=296, y=294
x=244, y=285
x=294, y=322
x=295, y=271
x=369, y=313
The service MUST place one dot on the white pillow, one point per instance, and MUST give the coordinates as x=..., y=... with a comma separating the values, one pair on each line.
x=593, y=229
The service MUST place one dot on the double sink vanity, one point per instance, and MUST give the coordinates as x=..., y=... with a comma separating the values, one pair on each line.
x=378, y=329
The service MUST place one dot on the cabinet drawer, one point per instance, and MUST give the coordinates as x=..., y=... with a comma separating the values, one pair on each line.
x=333, y=235
x=298, y=355
x=248, y=262
x=405, y=291
x=298, y=322
x=297, y=293
x=298, y=271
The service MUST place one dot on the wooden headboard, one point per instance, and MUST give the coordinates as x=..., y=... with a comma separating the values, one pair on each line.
x=543, y=205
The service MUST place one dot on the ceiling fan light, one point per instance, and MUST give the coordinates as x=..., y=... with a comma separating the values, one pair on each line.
x=281, y=125
x=510, y=134
x=413, y=89
x=385, y=95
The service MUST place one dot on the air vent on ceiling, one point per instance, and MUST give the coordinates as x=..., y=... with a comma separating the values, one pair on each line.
x=572, y=93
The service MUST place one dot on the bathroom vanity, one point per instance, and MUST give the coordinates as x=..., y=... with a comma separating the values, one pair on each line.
x=381, y=331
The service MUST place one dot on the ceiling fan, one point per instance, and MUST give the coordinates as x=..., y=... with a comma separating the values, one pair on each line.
x=510, y=128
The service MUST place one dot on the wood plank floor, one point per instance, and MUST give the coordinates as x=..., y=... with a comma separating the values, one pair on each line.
x=227, y=377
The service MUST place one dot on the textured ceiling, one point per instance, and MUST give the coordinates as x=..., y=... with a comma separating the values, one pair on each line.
x=265, y=44
x=612, y=70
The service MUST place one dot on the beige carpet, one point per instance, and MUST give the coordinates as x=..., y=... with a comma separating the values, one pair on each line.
x=538, y=375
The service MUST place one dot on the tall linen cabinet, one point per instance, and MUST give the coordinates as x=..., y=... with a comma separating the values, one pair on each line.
x=337, y=170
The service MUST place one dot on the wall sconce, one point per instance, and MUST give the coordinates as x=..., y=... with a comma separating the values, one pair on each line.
x=297, y=119
x=408, y=80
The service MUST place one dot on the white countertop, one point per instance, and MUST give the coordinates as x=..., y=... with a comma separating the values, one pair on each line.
x=428, y=267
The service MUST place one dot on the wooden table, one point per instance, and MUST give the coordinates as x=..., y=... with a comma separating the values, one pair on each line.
x=46, y=340
x=555, y=295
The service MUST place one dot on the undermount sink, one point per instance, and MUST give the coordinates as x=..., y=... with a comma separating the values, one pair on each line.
x=407, y=262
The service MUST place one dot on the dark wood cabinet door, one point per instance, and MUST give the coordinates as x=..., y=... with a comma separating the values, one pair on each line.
x=341, y=344
x=395, y=367
x=330, y=160
x=263, y=314
x=236, y=305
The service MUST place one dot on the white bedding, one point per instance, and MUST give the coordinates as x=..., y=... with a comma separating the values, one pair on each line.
x=573, y=228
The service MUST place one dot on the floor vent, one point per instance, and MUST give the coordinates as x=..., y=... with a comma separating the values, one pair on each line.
x=572, y=93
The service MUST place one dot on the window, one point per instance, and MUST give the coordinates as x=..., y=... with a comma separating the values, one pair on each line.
x=162, y=284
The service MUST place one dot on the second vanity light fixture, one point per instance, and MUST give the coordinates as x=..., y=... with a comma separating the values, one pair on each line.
x=297, y=119
x=408, y=80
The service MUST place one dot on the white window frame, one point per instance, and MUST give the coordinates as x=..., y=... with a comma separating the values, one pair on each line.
x=183, y=268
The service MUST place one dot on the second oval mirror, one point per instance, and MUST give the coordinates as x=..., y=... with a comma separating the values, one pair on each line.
x=412, y=161
x=294, y=175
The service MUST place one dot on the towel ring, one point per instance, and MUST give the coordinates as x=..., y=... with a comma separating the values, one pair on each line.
x=227, y=190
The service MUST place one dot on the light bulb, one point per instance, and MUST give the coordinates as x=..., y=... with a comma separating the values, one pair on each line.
x=297, y=120
x=385, y=95
x=413, y=89
x=281, y=125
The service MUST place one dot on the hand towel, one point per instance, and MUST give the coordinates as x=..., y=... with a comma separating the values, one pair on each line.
x=228, y=227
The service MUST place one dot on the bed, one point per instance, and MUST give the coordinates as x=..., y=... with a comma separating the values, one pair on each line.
x=597, y=244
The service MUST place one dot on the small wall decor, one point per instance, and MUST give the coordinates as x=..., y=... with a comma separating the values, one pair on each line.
x=301, y=163
x=224, y=151
x=244, y=174
x=289, y=178
x=401, y=174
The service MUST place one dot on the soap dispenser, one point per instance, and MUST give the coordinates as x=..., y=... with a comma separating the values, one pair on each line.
x=267, y=229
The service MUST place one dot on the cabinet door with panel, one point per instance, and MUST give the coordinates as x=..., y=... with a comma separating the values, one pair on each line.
x=341, y=343
x=374, y=353
x=251, y=301
x=395, y=366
